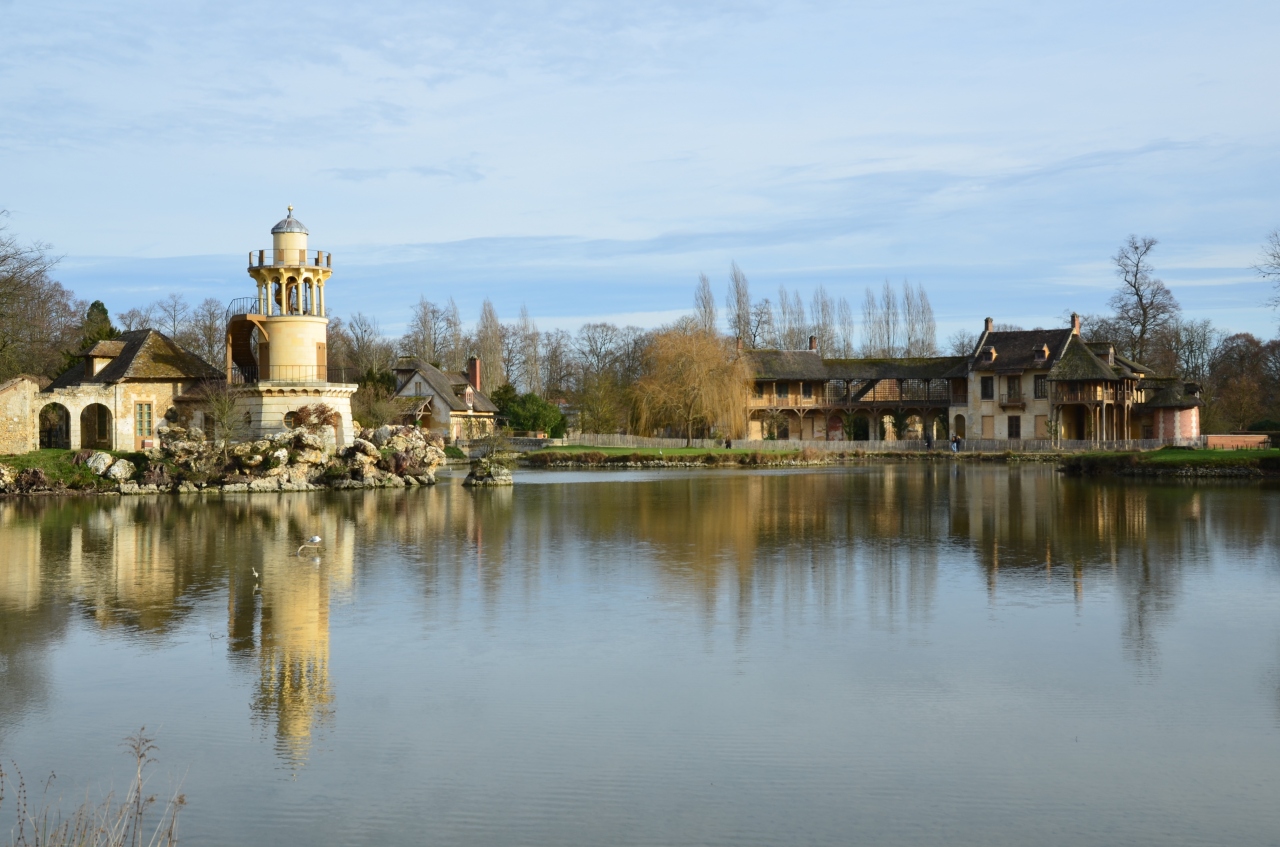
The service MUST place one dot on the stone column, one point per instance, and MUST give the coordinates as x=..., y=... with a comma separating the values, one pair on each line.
x=73, y=425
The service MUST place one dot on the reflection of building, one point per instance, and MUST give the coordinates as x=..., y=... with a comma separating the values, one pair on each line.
x=1041, y=384
x=288, y=606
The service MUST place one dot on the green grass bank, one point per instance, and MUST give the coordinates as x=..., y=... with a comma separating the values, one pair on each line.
x=1175, y=462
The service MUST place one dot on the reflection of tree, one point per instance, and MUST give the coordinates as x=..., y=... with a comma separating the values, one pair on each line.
x=31, y=618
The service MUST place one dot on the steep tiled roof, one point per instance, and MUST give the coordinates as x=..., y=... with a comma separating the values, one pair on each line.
x=930, y=367
x=1078, y=362
x=1170, y=394
x=807, y=365
x=446, y=385
x=1016, y=350
x=105, y=349
x=788, y=364
x=144, y=354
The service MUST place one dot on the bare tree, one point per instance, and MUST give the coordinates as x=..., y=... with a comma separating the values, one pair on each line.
x=764, y=330
x=1268, y=266
x=881, y=324
x=704, y=303
x=205, y=332
x=224, y=417
x=557, y=364
x=822, y=311
x=793, y=326
x=172, y=311
x=488, y=346
x=962, y=343
x=371, y=352
x=133, y=319
x=40, y=321
x=1143, y=304
x=738, y=304
x=597, y=346
x=530, y=354
x=919, y=328
x=429, y=334
x=845, y=345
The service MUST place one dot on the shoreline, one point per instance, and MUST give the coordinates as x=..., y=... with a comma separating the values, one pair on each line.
x=1171, y=464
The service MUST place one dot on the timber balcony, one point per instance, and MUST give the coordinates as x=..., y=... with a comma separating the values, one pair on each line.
x=1013, y=400
x=250, y=375
x=293, y=257
x=873, y=392
x=1088, y=393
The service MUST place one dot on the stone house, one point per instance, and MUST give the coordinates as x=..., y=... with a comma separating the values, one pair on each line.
x=111, y=400
x=451, y=404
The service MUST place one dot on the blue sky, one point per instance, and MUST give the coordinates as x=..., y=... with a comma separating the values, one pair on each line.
x=590, y=159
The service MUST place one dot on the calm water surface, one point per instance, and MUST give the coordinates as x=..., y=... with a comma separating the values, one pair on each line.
x=884, y=655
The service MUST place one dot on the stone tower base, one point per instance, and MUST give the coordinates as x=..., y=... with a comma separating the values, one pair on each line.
x=265, y=405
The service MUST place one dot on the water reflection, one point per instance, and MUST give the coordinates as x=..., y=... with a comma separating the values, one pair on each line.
x=728, y=547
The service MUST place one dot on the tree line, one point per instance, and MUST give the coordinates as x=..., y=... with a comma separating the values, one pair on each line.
x=612, y=375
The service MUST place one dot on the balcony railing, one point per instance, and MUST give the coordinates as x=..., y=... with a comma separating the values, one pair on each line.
x=1084, y=393
x=251, y=306
x=292, y=373
x=291, y=256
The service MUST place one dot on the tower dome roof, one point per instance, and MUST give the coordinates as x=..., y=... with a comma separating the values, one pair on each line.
x=289, y=224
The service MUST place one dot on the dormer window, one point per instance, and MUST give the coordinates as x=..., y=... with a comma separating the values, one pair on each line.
x=1042, y=354
x=988, y=355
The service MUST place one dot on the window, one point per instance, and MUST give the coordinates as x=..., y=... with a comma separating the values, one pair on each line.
x=1042, y=387
x=142, y=420
x=782, y=389
x=1014, y=386
x=806, y=388
x=759, y=389
x=1015, y=426
x=988, y=388
x=289, y=419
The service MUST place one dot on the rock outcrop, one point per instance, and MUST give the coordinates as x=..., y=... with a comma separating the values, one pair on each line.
x=485, y=472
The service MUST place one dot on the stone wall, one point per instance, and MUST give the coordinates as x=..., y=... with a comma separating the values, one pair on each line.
x=19, y=429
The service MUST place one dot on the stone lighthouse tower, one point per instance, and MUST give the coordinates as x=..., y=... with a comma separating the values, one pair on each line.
x=277, y=341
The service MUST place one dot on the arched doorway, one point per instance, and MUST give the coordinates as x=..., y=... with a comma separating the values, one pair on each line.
x=55, y=427
x=959, y=426
x=859, y=427
x=95, y=427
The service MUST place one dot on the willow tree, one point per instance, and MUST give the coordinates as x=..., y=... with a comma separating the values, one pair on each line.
x=693, y=379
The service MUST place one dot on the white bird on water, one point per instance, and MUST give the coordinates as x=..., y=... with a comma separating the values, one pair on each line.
x=313, y=541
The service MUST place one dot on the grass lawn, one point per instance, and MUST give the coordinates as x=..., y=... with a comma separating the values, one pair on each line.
x=57, y=466
x=1267, y=460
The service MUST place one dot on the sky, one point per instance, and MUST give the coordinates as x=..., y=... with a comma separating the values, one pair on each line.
x=589, y=160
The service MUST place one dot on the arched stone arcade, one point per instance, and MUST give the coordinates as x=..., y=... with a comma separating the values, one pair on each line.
x=55, y=427
x=97, y=430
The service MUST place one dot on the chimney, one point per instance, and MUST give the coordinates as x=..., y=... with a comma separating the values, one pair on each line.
x=473, y=372
x=739, y=343
x=990, y=325
x=1075, y=324
x=813, y=342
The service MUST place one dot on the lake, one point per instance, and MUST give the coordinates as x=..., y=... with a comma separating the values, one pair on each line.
x=882, y=654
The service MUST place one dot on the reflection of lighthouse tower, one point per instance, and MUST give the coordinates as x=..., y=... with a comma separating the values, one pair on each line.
x=287, y=318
